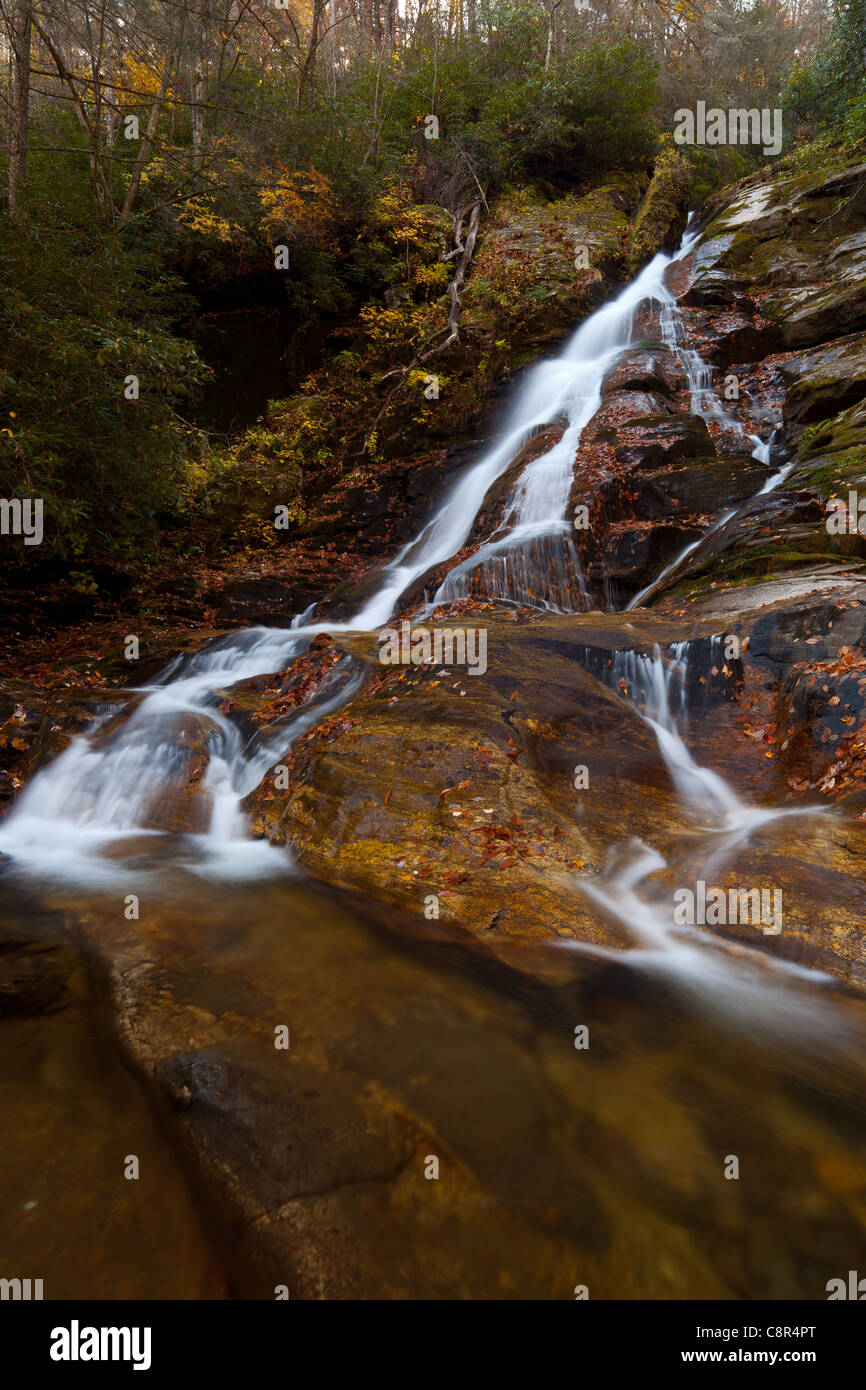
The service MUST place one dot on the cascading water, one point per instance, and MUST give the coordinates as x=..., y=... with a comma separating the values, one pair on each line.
x=658, y=689
x=532, y=558
x=702, y=1047
x=697, y=961
x=101, y=790
x=109, y=786
x=706, y=404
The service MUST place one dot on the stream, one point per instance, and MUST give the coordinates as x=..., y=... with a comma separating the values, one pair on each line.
x=605, y=1167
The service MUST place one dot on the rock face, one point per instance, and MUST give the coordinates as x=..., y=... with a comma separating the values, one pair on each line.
x=438, y=784
x=22, y=707
x=466, y=820
x=313, y=1161
x=661, y=217
x=444, y=783
x=435, y=786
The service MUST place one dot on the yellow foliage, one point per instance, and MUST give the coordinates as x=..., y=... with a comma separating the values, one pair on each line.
x=298, y=203
x=400, y=221
x=389, y=329
x=432, y=277
x=199, y=217
x=140, y=78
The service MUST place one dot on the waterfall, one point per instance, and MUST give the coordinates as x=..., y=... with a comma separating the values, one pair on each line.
x=102, y=789
x=706, y=404
x=532, y=559
x=657, y=687
x=110, y=786
x=732, y=979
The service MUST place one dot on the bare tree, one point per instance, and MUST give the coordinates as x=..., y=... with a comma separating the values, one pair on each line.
x=553, y=6
x=199, y=87
x=19, y=26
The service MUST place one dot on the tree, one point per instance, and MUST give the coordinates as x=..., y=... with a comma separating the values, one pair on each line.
x=19, y=26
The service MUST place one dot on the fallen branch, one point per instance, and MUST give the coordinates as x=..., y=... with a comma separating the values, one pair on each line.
x=455, y=291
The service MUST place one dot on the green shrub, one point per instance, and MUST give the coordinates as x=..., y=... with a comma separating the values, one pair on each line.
x=76, y=322
x=830, y=90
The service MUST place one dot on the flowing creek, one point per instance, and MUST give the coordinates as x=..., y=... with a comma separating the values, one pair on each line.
x=603, y=1166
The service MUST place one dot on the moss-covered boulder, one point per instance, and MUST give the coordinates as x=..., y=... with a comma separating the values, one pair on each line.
x=828, y=382
x=543, y=265
x=661, y=217
x=797, y=230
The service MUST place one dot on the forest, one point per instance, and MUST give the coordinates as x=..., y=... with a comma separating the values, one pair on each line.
x=159, y=153
x=433, y=669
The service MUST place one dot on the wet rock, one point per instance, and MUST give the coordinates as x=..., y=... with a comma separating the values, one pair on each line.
x=22, y=708
x=71, y=713
x=827, y=382
x=708, y=283
x=267, y=600
x=654, y=372
x=778, y=233
x=707, y=487
x=784, y=230
x=438, y=782
x=655, y=443
x=33, y=977
x=633, y=553
x=738, y=337
x=814, y=316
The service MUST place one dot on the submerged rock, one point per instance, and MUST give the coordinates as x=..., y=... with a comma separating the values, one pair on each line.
x=33, y=976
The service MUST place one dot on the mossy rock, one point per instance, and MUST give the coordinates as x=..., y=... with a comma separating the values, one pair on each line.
x=834, y=381
x=843, y=433
x=787, y=229
x=661, y=217
x=659, y=440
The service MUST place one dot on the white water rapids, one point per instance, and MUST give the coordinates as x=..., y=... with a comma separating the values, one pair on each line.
x=732, y=979
x=705, y=403
x=102, y=789
x=72, y=819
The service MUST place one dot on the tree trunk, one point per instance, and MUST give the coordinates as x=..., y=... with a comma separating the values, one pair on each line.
x=199, y=92
x=146, y=147
x=307, y=69
x=20, y=29
x=551, y=22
